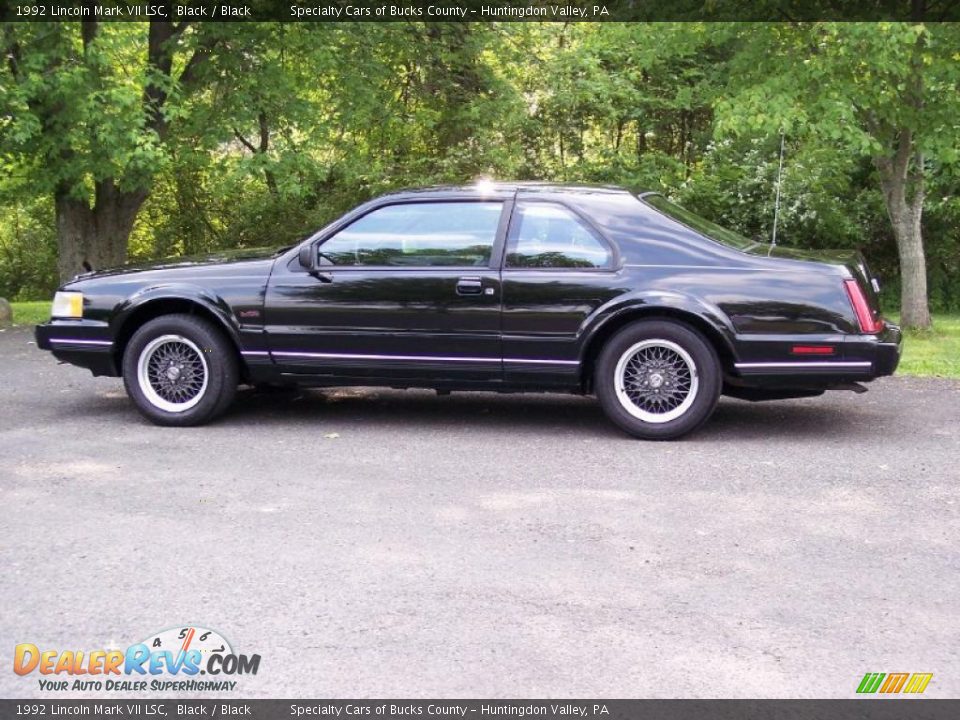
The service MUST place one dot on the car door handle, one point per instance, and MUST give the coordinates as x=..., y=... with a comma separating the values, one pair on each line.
x=469, y=286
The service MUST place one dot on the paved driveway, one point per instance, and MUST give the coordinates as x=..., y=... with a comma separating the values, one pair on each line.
x=387, y=543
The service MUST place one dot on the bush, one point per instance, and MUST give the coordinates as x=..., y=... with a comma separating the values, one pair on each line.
x=28, y=251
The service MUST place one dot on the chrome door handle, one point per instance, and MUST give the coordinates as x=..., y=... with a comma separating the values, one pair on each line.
x=469, y=286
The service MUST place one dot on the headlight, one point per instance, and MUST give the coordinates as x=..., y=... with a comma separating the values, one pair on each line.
x=67, y=305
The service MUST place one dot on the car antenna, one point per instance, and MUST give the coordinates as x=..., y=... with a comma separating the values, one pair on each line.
x=776, y=204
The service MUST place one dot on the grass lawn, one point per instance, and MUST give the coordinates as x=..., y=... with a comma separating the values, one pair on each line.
x=30, y=313
x=931, y=353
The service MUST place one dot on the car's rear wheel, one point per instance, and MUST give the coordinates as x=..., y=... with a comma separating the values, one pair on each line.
x=658, y=379
x=180, y=370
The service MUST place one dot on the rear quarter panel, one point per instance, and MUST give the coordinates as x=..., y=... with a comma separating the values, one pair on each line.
x=761, y=303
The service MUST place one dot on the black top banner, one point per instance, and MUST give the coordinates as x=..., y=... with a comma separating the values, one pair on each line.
x=480, y=10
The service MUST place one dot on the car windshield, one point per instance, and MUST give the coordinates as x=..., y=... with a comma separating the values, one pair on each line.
x=701, y=225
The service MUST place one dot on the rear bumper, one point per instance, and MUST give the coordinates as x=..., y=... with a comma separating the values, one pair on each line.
x=861, y=358
x=882, y=350
x=84, y=343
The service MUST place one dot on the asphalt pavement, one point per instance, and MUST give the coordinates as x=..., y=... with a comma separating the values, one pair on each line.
x=377, y=543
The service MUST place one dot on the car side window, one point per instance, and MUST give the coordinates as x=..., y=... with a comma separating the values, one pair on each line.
x=429, y=234
x=551, y=236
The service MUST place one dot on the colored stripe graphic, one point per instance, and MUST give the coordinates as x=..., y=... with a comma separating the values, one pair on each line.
x=918, y=683
x=870, y=682
x=894, y=682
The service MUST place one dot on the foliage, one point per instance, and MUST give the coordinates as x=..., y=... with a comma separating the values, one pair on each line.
x=72, y=107
x=885, y=91
x=284, y=126
x=28, y=250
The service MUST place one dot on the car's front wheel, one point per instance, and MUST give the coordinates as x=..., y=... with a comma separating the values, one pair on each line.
x=180, y=370
x=658, y=379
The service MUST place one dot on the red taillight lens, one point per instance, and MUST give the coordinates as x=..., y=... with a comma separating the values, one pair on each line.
x=812, y=350
x=868, y=323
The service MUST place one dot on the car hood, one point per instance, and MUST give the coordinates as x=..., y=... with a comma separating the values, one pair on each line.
x=222, y=257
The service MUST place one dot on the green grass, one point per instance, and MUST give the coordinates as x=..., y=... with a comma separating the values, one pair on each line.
x=928, y=353
x=933, y=353
x=30, y=313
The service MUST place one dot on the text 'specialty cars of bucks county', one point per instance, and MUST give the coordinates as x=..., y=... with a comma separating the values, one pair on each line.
x=493, y=286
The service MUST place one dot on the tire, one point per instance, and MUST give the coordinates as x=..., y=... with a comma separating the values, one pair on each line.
x=676, y=379
x=201, y=373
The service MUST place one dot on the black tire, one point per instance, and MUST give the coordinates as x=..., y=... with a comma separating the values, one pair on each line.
x=217, y=360
x=681, y=346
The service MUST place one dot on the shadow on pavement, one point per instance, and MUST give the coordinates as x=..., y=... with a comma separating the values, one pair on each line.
x=550, y=415
x=529, y=412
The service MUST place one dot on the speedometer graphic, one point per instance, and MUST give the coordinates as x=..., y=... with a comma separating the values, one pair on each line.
x=194, y=637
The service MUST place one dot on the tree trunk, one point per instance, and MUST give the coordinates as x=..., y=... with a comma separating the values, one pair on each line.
x=95, y=237
x=264, y=146
x=901, y=178
x=914, y=309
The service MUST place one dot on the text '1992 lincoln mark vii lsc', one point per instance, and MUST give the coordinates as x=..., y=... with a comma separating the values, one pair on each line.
x=493, y=286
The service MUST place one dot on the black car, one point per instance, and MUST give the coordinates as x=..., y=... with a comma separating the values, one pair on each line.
x=504, y=287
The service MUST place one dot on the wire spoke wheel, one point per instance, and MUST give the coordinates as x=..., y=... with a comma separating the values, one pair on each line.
x=172, y=373
x=656, y=381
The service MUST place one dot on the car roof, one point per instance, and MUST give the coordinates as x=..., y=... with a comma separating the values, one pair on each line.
x=483, y=187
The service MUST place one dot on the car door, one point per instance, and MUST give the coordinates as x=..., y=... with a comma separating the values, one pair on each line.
x=409, y=290
x=557, y=270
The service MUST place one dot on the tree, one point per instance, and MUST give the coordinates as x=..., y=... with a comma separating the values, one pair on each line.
x=238, y=134
x=88, y=116
x=884, y=90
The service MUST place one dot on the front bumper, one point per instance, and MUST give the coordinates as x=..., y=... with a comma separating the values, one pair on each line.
x=85, y=343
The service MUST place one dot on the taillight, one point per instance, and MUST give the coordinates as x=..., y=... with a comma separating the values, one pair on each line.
x=812, y=350
x=868, y=323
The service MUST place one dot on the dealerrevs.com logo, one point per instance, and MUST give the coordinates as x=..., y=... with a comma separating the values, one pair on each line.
x=168, y=661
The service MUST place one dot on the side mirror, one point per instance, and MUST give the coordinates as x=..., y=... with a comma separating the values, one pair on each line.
x=308, y=257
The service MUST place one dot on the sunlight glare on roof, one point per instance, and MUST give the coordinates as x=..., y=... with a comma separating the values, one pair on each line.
x=485, y=185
